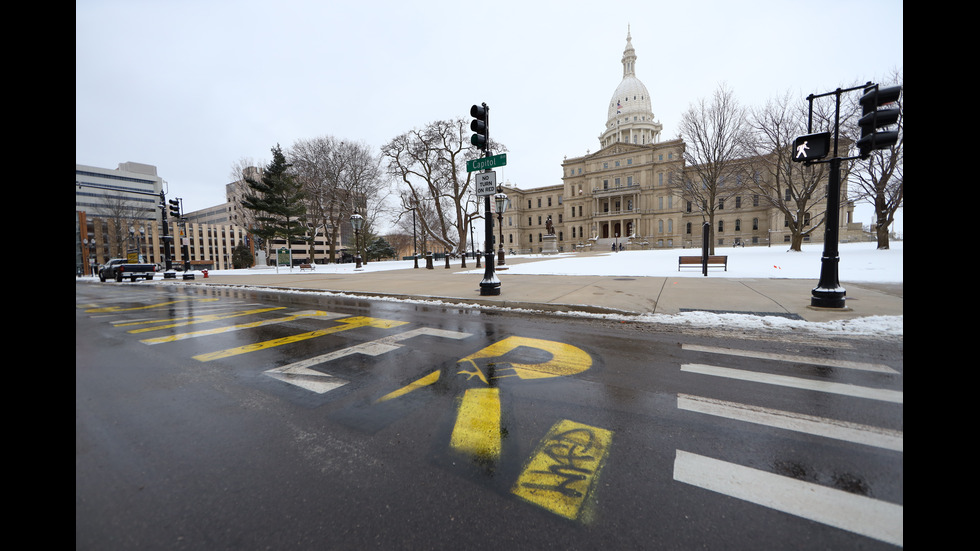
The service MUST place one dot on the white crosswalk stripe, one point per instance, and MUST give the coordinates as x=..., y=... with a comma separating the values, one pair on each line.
x=859, y=514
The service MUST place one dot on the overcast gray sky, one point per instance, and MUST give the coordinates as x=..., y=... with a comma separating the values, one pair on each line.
x=194, y=86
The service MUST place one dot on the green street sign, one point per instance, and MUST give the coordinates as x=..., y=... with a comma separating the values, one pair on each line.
x=486, y=162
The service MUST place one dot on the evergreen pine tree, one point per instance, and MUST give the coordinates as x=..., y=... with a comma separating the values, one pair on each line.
x=380, y=248
x=277, y=199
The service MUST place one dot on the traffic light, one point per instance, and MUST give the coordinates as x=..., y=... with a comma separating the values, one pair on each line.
x=481, y=126
x=174, y=208
x=873, y=118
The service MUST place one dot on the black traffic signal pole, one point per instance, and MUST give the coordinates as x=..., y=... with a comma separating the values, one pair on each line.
x=828, y=293
x=490, y=285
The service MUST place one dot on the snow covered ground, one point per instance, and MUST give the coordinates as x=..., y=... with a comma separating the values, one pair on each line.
x=859, y=262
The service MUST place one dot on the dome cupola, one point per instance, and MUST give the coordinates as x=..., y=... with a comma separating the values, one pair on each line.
x=630, y=114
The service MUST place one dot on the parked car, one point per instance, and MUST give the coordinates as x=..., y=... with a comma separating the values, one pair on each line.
x=118, y=269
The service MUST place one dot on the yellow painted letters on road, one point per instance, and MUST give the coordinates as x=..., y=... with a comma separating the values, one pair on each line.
x=346, y=324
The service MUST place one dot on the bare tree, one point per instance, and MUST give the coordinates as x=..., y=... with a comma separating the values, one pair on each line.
x=795, y=190
x=366, y=180
x=318, y=165
x=715, y=136
x=340, y=178
x=120, y=214
x=241, y=170
x=430, y=163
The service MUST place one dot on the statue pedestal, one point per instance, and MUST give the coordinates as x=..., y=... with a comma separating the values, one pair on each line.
x=549, y=244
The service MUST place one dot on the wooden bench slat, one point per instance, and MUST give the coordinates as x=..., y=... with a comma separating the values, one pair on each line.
x=713, y=260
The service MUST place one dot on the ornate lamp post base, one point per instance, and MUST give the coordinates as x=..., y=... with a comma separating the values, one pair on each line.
x=490, y=286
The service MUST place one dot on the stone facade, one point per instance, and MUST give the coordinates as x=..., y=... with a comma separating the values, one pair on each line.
x=622, y=195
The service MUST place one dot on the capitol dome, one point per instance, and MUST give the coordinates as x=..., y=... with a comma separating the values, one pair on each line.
x=630, y=116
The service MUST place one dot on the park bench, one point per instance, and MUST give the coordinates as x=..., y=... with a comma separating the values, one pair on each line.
x=309, y=267
x=695, y=261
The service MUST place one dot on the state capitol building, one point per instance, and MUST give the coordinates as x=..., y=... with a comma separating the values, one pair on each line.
x=622, y=193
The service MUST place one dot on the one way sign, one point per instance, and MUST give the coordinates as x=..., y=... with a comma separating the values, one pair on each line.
x=811, y=147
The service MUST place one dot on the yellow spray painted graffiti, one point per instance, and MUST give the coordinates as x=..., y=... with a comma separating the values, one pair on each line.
x=561, y=475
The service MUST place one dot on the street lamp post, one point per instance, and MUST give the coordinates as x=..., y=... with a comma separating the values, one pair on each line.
x=473, y=239
x=137, y=241
x=501, y=199
x=90, y=254
x=357, y=221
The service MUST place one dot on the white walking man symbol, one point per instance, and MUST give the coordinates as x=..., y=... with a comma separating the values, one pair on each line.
x=801, y=150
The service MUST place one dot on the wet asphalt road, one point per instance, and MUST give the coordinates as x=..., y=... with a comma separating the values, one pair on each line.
x=233, y=419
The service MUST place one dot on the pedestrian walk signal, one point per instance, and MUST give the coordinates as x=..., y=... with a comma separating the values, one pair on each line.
x=811, y=147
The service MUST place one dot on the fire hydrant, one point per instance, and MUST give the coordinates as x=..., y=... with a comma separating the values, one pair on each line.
x=205, y=272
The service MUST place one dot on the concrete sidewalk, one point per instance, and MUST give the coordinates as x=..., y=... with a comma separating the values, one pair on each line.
x=601, y=294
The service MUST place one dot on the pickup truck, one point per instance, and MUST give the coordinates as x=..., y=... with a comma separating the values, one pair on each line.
x=118, y=269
